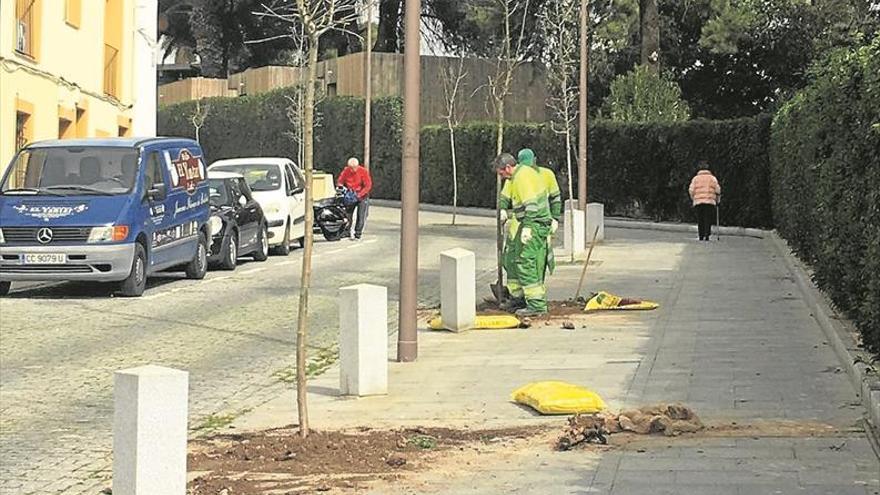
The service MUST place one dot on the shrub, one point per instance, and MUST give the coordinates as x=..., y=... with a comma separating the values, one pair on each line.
x=640, y=170
x=826, y=182
x=644, y=96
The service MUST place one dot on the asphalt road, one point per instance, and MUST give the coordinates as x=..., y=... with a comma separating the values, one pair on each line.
x=233, y=332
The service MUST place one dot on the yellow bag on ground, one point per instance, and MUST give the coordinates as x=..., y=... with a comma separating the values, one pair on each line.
x=603, y=301
x=558, y=398
x=483, y=322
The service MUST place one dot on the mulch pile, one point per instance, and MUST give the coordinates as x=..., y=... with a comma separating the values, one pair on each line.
x=279, y=461
x=666, y=419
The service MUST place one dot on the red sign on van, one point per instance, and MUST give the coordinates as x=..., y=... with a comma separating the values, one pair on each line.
x=189, y=170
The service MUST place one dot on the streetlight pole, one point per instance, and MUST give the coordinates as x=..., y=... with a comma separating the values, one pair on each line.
x=368, y=83
x=583, y=117
x=407, y=336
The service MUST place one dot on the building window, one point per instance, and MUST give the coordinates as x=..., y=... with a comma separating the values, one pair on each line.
x=65, y=129
x=23, y=135
x=26, y=17
x=82, y=123
x=111, y=64
x=113, y=24
x=73, y=12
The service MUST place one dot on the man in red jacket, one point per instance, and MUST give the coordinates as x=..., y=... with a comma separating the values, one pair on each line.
x=357, y=178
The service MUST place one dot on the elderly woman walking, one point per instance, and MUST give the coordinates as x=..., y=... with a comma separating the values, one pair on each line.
x=705, y=193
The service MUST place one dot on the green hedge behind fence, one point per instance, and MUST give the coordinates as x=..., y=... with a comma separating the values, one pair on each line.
x=826, y=182
x=636, y=170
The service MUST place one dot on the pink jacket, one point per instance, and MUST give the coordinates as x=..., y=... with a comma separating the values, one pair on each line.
x=704, y=189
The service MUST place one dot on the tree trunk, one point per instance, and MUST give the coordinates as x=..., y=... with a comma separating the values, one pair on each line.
x=570, y=225
x=454, y=172
x=649, y=27
x=305, y=280
x=388, y=37
x=368, y=84
x=499, y=234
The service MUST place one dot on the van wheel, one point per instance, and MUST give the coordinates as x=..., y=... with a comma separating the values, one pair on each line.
x=134, y=285
x=4, y=288
x=262, y=252
x=284, y=248
x=230, y=256
x=198, y=267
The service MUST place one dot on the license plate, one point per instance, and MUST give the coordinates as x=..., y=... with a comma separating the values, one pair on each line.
x=45, y=259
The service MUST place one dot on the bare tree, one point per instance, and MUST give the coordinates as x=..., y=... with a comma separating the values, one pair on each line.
x=199, y=116
x=453, y=76
x=559, y=24
x=310, y=19
x=510, y=56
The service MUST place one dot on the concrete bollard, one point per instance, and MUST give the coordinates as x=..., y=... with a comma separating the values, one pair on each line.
x=149, y=431
x=577, y=243
x=363, y=340
x=458, y=289
x=595, y=218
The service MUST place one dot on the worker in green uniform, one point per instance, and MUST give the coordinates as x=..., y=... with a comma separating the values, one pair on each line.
x=554, y=196
x=526, y=196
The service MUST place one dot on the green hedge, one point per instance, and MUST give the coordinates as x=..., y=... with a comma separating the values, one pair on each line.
x=639, y=170
x=826, y=182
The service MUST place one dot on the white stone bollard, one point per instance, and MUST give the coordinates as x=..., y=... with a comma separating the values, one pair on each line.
x=363, y=340
x=595, y=218
x=578, y=243
x=458, y=289
x=149, y=431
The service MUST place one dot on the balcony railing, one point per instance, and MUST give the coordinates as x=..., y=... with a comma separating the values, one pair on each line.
x=111, y=70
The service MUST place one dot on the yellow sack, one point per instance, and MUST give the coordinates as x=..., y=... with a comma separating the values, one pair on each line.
x=483, y=322
x=604, y=301
x=558, y=398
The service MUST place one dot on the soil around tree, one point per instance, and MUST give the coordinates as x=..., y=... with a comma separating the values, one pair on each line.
x=279, y=461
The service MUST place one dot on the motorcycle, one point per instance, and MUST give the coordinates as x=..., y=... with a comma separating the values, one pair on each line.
x=331, y=219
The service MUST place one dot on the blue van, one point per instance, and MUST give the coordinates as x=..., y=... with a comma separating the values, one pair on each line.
x=104, y=210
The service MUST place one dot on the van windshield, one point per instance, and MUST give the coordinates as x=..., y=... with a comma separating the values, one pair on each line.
x=258, y=177
x=72, y=171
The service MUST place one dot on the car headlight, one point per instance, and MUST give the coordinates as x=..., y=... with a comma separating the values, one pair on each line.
x=216, y=225
x=109, y=233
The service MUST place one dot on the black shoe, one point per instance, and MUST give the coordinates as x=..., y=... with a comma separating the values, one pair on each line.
x=529, y=313
x=513, y=304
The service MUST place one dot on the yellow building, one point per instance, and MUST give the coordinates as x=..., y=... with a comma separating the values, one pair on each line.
x=68, y=69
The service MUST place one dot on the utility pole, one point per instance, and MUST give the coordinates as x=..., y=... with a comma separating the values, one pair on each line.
x=584, y=115
x=407, y=336
x=368, y=83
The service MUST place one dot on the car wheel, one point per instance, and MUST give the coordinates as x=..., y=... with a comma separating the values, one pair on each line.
x=262, y=252
x=134, y=285
x=198, y=267
x=284, y=248
x=4, y=288
x=230, y=255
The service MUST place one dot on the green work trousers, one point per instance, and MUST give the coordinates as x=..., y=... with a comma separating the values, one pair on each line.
x=528, y=262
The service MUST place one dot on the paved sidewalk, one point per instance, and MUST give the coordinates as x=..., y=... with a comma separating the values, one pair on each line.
x=732, y=338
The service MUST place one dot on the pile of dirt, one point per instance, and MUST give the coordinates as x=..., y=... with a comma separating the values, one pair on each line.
x=556, y=309
x=280, y=461
x=666, y=419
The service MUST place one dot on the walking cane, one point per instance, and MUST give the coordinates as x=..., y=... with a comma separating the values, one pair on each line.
x=718, y=219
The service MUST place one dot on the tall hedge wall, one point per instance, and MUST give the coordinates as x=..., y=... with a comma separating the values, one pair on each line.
x=826, y=182
x=636, y=170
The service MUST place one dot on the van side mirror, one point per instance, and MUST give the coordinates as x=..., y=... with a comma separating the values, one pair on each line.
x=157, y=193
x=297, y=190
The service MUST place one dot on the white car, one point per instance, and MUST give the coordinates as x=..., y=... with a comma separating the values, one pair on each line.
x=279, y=186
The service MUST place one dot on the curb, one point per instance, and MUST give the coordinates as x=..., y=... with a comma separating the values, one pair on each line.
x=618, y=223
x=837, y=331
